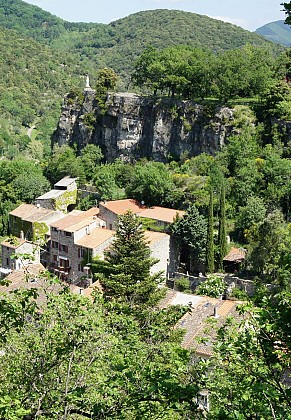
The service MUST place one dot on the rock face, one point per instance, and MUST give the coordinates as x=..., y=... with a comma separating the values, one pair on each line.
x=133, y=127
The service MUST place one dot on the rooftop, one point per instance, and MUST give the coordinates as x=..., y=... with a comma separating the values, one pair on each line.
x=154, y=237
x=65, y=182
x=163, y=214
x=32, y=213
x=200, y=322
x=97, y=237
x=235, y=255
x=121, y=206
x=31, y=277
x=74, y=222
x=51, y=194
x=13, y=243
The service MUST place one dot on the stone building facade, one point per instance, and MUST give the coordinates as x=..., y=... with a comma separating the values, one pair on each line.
x=13, y=251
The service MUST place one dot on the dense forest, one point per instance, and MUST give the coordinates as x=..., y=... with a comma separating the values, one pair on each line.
x=118, y=354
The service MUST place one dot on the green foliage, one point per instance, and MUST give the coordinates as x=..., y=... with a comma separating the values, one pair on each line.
x=251, y=359
x=222, y=244
x=89, y=359
x=213, y=286
x=183, y=285
x=209, y=260
x=191, y=232
x=151, y=184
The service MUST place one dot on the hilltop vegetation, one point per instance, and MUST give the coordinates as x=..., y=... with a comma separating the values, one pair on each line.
x=119, y=43
x=277, y=32
x=33, y=81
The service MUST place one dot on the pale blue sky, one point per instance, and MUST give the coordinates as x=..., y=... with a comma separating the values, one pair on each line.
x=249, y=14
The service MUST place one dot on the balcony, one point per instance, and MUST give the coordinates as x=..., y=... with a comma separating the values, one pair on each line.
x=59, y=269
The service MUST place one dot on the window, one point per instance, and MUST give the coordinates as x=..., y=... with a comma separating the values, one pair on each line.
x=81, y=253
x=55, y=258
x=7, y=261
x=63, y=248
x=55, y=245
x=68, y=234
x=80, y=268
x=64, y=263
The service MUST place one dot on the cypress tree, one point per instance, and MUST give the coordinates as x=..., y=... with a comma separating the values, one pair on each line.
x=209, y=263
x=222, y=245
x=125, y=272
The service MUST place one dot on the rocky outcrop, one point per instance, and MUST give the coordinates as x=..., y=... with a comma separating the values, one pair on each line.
x=133, y=127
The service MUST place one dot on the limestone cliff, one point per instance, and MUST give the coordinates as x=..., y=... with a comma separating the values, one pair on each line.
x=133, y=127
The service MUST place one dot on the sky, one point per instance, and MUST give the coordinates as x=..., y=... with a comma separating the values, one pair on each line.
x=249, y=14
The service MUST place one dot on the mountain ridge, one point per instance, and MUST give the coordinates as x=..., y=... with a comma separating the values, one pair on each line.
x=276, y=31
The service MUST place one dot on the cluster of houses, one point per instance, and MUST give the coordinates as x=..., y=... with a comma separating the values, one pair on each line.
x=64, y=241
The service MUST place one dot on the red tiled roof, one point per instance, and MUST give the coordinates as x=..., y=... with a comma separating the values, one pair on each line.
x=76, y=221
x=153, y=237
x=121, y=206
x=97, y=237
x=163, y=214
x=235, y=255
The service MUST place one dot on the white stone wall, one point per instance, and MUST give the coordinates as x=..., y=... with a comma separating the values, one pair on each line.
x=161, y=251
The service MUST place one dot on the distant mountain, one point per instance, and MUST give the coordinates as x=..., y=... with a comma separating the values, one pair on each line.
x=277, y=32
x=119, y=43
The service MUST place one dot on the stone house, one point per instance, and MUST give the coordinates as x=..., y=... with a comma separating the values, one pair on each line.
x=82, y=235
x=110, y=210
x=12, y=251
x=159, y=217
x=66, y=258
x=32, y=221
x=62, y=197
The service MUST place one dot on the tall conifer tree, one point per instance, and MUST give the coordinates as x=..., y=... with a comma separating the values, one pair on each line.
x=222, y=245
x=125, y=273
x=209, y=264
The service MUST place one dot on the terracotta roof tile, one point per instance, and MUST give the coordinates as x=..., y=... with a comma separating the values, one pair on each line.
x=235, y=255
x=121, y=206
x=153, y=237
x=163, y=214
x=75, y=222
x=97, y=237
x=200, y=322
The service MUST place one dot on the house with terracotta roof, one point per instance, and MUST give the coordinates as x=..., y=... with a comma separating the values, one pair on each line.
x=160, y=217
x=72, y=239
x=81, y=235
x=110, y=210
x=201, y=322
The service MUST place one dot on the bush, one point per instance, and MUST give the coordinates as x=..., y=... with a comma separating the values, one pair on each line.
x=213, y=286
x=183, y=285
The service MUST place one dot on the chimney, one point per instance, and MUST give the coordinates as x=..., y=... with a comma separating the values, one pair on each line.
x=21, y=234
x=215, y=312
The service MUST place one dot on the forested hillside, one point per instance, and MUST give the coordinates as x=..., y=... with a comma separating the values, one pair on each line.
x=33, y=80
x=117, y=44
x=276, y=32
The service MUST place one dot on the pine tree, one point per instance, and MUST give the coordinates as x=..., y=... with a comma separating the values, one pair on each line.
x=125, y=272
x=222, y=245
x=209, y=264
